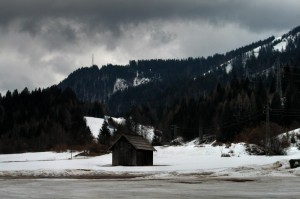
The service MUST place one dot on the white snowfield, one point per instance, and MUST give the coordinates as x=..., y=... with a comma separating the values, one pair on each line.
x=95, y=124
x=169, y=162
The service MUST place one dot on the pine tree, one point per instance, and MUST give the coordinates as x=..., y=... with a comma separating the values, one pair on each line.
x=293, y=140
x=104, y=135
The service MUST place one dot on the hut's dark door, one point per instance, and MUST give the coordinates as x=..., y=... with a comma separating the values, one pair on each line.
x=126, y=153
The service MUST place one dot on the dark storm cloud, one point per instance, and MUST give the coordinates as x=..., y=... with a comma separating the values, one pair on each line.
x=62, y=22
x=42, y=41
x=256, y=15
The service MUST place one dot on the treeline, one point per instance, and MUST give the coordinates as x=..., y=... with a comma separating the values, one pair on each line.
x=94, y=84
x=230, y=110
x=43, y=120
x=228, y=105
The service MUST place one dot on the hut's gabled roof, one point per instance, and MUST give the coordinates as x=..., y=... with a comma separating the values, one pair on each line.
x=137, y=141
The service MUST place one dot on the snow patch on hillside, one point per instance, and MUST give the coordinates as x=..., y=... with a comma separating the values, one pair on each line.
x=94, y=124
x=294, y=134
x=256, y=51
x=281, y=46
x=228, y=68
x=146, y=131
x=290, y=133
x=140, y=81
x=208, y=72
x=118, y=120
x=120, y=85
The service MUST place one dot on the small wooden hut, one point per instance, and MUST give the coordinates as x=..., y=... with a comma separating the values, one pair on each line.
x=132, y=150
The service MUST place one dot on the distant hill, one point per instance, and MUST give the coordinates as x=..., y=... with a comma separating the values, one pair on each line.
x=183, y=96
x=147, y=80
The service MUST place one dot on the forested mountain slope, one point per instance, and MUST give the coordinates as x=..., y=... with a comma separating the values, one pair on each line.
x=44, y=120
x=224, y=94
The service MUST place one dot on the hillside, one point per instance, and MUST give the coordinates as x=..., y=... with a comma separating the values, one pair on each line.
x=146, y=81
x=224, y=94
x=112, y=82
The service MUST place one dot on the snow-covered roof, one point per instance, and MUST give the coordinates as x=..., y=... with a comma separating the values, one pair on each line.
x=138, y=142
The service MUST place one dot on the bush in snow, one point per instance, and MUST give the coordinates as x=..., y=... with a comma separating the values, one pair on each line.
x=257, y=136
x=293, y=140
x=253, y=149
x=59, y=148
x=177, y=141
x=279, y=146
x=225, y=155
x=156, y=141
x=94, y=149
x=253, y=135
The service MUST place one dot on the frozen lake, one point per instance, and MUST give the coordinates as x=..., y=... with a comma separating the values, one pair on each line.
x=266, y=187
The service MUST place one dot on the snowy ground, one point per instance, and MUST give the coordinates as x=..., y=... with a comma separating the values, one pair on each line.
x=190, y=160
x=169, y=162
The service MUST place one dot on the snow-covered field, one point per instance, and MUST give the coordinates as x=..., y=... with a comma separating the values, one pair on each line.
x=169, y=162
x=189, y=159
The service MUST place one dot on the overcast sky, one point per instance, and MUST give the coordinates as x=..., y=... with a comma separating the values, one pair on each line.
x=42, y=41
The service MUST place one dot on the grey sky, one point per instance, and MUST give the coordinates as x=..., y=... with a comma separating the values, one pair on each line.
x=42, y=41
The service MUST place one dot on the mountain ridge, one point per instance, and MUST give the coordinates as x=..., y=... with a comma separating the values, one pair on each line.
x=109, y=82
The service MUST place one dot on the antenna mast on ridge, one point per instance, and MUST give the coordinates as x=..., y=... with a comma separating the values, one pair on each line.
x=92, y=59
